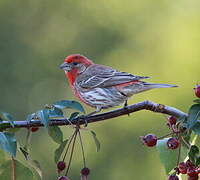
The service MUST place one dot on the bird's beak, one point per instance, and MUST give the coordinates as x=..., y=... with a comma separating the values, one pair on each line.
x=65, y=66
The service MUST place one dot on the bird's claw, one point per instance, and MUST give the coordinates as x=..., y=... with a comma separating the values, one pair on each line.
x=84, y=117
x=125, y=107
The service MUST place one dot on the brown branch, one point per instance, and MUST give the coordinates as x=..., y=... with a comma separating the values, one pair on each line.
x=13, y=168
x=145, y=105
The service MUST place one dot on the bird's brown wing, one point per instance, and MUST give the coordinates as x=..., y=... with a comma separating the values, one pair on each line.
x=104, y=76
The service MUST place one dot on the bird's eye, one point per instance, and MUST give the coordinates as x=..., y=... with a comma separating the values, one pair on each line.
x=75, y=63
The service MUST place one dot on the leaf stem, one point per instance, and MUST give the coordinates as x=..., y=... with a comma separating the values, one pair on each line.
x=13, y=164
x=82, y=149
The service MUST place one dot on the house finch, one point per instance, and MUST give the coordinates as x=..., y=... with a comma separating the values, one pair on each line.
x=101, y=86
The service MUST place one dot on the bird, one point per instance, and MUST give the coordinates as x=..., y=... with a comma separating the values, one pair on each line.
x=101, y=86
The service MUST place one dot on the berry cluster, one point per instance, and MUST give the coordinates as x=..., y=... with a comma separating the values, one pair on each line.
x=186, y=168
x=61, y=165
x=176, y=140
x=150, y=140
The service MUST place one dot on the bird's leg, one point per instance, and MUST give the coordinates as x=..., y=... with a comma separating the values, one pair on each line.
x=126, y=103
x=125, y=106
x=98, y=109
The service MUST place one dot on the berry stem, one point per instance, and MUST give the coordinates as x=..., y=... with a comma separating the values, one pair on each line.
x=82, y=149
x=166, y=135
x=71, y=138
x=72, y=150
x=179, y=153
x=186, y=143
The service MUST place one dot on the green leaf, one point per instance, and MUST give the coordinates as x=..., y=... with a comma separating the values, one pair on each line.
x=56, y=134
x=12, y=130
x=2, y=156
x=43, y=115
x=197, y=161
x=197, y=101
x=8, y=143
x=196, y=128
x=7, y=117
x=33, y=163
x=30, y=117
x=24, y=152
x=59, y=151
x=69, y=104
x=193, y=115
x=36, y=166
x=168, y=157
x=22, y=172
x=97, y=143
x=73, y=115
x=55, y=113
x=194, y=151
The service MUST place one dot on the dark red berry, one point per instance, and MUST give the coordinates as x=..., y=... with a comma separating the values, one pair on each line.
x=192, y=172
x=61, y=165
x=85, y=171
x=149, y=140
x=189, y=163
x=197, y=91
x=171, y=120
x=182, y=168
x=173, y=177
x=193, y=177
x=173, y=143
x=63, y=178
x=34, y=129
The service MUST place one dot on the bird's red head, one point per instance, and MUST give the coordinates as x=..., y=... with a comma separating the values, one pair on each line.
x=74, y=65
x=77, y=58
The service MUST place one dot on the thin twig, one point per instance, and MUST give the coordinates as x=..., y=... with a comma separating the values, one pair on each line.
x=13, y=174
x=145, y=105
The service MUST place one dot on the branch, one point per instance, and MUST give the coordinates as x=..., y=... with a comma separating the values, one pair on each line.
x=145, y=105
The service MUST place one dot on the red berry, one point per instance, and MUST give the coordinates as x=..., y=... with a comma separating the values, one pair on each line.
x=63, y=178
x=173, y=143
x=34, y=129
x=149, y=140
x=182, y=168
x=85, y=171
x=192, y=172
x=171, y=120
x=193, y=177
x=173, y=177
x=197, y=91
x=61, y=165
x=189, y=163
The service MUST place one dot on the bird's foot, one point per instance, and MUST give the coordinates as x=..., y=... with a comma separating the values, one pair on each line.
x=125, y=106
x=84, y=117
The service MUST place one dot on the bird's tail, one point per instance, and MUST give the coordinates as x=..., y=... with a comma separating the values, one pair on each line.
x=143, y=86
x=153, y=85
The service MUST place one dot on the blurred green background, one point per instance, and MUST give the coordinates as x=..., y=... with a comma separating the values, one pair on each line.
x=156, y=38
